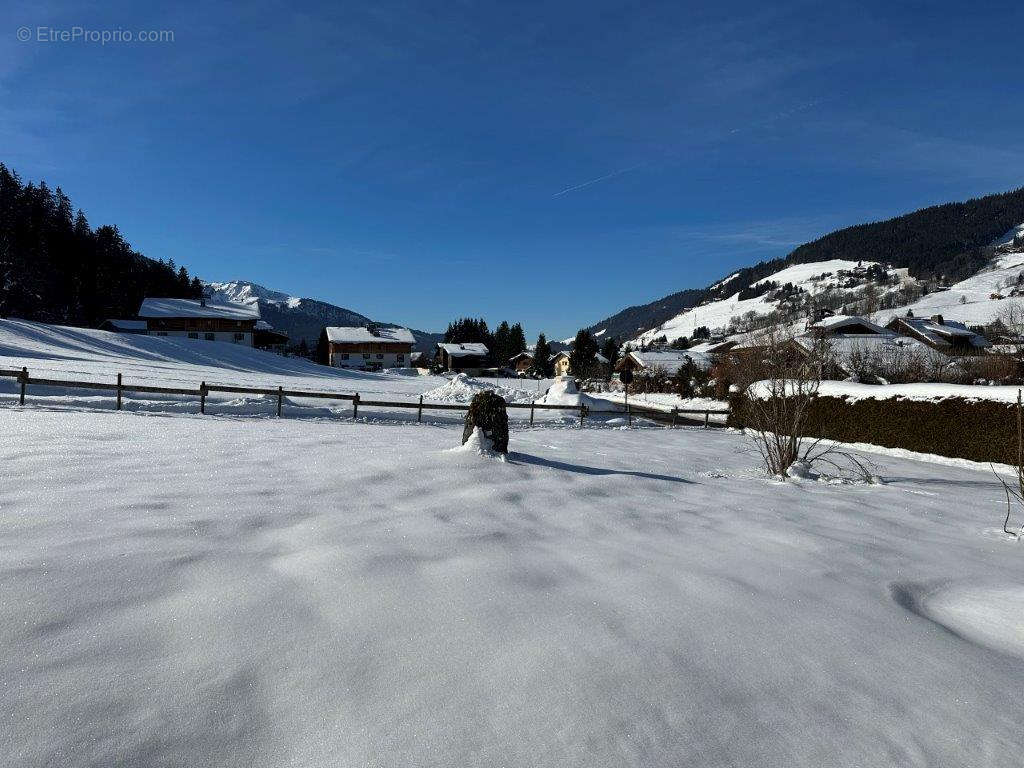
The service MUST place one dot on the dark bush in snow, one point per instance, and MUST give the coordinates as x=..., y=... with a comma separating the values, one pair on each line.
x=487, y=411
x=980, y=430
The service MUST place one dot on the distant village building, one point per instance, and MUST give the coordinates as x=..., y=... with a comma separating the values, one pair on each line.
x=716, y=347
x=470, y=357
x=365, y=349
x=853, y=340
x=560, y=364
x=125, y=326
x=521, y=363
x=265, y=337
x=846, y=325
x=200, y=319
x=948, y=337
x=669, y=361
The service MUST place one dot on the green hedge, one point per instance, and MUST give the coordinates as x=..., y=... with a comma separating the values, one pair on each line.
x=978, y=430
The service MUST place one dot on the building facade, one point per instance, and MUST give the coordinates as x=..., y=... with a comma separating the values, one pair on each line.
x=366, y=349
x=200, y=319
x=469, y=358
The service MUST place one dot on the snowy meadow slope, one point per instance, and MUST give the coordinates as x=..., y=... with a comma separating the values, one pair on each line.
x=197, y=591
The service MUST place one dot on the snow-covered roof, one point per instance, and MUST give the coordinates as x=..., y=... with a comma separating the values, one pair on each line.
x=710, y=347
x=521, y=355
x=464, y=350
x=847, y=346
x=837, y=322
x=939, y=331
x=263, y=325
x=671, y=360
x=354, y=334
x=127, y=325
x=225, y=310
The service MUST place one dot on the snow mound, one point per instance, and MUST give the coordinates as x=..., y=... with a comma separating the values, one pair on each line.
x=992, y=616
x=565, y=392
x=461, y=389
x=479, y=444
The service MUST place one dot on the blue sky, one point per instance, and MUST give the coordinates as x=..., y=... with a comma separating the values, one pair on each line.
x=550, y=163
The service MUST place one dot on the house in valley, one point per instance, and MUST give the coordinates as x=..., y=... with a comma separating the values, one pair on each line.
x=946, y=336
x=200, y=319
x=470, y=357
x=717, y=347
x=371, y=348
x=265, y=337
x=562, y=367
x=667, y=360
x=522, y=362
x=850, y=345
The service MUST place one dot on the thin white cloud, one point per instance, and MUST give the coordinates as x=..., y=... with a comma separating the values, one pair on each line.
x=598, y=180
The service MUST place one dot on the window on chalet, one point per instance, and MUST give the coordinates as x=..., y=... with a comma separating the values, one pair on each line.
x=193, y=335
x=208, y=336
x=344, y=356
x=239, y=337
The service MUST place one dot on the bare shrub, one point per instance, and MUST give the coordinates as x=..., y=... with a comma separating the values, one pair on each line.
x=778, y=405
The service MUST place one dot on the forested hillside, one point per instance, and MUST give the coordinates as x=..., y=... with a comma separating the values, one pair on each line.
x=632, y=320
x=55, y=268
x=946, y=241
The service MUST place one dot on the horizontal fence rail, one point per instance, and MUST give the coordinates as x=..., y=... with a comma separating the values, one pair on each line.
x=119, y=387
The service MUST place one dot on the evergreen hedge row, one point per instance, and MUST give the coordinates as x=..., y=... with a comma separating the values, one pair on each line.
x=978, y=430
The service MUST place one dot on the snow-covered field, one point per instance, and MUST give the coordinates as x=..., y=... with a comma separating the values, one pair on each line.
x=81, y=354
x=195, y=591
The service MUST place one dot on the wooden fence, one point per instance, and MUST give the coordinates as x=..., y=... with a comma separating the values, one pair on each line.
x=671, y=417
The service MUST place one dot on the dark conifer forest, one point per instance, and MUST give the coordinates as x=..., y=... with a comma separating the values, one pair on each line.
x=55, y=268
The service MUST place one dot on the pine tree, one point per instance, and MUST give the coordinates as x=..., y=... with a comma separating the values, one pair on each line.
x=581, y=359
x=517, y=340
x=542, y=356
x=501, y=348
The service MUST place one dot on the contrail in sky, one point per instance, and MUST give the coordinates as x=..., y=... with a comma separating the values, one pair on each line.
x=611, y=175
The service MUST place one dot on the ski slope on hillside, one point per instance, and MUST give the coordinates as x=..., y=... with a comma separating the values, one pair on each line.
x=267, y=593
x=812, y=277
x=970, y=301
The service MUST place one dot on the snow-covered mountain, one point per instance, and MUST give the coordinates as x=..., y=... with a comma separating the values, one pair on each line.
x=245, y=293
x=303, y=318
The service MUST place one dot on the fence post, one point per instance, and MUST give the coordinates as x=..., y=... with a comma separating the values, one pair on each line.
x=629, y=413
x=707, y=416
x=355, y=407
x=202, y=397
x=583, y=412
x=419, y=412
x=119, y=391
x=531, y=412
x=24, y=381
x=675, y=415
x=280, y=396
